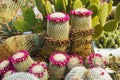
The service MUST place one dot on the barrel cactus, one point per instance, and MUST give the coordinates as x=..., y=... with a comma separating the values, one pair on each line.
x=58, y=65
x=21, y=60
x=97, y=73
x=81, y=32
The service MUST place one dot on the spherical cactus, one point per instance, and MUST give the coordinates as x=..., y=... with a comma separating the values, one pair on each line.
x=39, y=69
x=81, y=33
x=94, y=60
x=57, y=65
x=21, y=60
x=75, y=60
x=58, y=26
x=8, y=73
x=76, y=73
x=5, y=65
x=97, y=73
x=21, y=76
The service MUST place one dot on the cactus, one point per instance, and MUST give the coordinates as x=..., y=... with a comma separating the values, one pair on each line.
x=108, y=40
x=57, y=65
x=39, y=70
x=8, y=73
x=117, y=15
x=21, y=75
x=21, y=60
x=94, y=60
x=97, y=73
x=103, y=13
x=77, y=73
x=81, y=33
x=75, y=60
x=110, y=26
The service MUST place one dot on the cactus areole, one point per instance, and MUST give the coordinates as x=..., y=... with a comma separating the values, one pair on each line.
x=59, y=59
x=81, y=12
x=38, y=69
x=19, y=56
x=58, y=17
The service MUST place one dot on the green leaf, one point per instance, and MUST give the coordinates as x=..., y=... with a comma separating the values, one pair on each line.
x=60, y=5
x=77, y=4
x=110, y=26
x=40, y=5
x=84, y=1
x=22, y=26
x=66, y=2
x=103, y=11
x=95, y=21
x=48, y=7
x=94, y=8
x=98, y=31
x=110, y=7
x=95, y=2
x=29, y=16
x=117, y=13
x=38, y=28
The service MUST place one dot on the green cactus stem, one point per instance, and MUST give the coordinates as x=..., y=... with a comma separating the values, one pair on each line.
x=95, y=21
x=48, y=7
x=77, y=4
x=22, y=26
x=117, y=13
x=110, y=26
x=103, y=13
x=29, y=16
x=110, y=5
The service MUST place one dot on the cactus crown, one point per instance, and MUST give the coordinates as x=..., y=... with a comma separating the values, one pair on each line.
x=4, y=64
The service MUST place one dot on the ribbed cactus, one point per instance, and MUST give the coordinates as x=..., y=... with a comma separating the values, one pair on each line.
x=57, y=65
x=21, y=60
x=76, y=73
x=39, y=70
x=81, y=32
x=97, y=73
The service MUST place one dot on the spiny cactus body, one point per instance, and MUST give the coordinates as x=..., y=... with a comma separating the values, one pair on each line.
x=94, y=60
x=75, y=60
x=81, y=32
x=21, y=60
x=57, y=65
x=76, y=73
x=40, y=70
x=98, y=73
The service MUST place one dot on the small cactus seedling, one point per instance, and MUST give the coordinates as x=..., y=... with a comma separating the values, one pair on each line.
x=21, y=60
x=76, y=73
x=39, y=69
x=57, y=65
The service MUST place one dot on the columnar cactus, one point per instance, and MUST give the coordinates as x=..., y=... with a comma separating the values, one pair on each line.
x=21, y=60
x=97, y=73
x=39, y=69
x=81, y=32
x=76, y=73
x=21, y=76
x=57, y=37
x=94, y=60
x=57, y=65
x=75, y=60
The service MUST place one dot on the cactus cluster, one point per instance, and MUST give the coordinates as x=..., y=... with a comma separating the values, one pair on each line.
x=109, y=40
